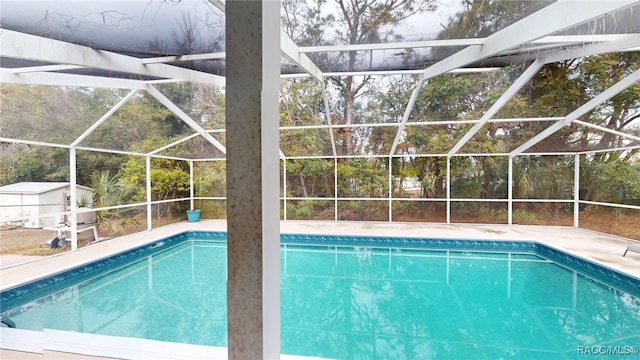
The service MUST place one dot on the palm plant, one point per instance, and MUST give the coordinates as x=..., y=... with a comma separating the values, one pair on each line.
x=109, y=191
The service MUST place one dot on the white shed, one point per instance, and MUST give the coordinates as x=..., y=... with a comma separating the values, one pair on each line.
x=27, y=202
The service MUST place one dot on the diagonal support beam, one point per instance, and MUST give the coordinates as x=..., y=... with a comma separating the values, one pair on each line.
x=407, y=113
x=545, y=58
x=24, y=46
x=504, y=98
x=182, y=115
x=289, y=49
x=194, y=57
x=590, y=105
x=104, y=118
x=45, y=68
x=551, y=56
x=325, y=99
x=607, y=130
x=292, y=52
x=556, y=17
x=219, y=4
x=163, y=148
x=622, y=44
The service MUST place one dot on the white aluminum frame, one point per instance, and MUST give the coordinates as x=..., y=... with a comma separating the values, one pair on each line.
x=525, y=36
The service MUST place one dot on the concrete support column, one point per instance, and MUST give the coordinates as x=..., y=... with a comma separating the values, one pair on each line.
x=253, y=212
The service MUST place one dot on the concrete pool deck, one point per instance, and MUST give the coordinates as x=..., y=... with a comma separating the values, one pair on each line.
x=599, y=248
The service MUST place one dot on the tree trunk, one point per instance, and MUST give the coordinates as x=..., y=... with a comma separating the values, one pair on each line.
x=303, y=185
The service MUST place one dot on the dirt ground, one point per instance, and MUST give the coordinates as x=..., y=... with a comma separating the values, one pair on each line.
x=31, y=241
x=627, y=226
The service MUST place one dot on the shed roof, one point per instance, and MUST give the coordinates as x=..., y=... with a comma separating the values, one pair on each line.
x=33, y=188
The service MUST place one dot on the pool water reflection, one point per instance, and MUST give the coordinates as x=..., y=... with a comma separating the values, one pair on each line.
x=358, y=302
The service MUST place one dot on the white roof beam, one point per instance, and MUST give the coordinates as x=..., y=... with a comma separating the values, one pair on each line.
x=558, y=16
x=24, y=46
x=166, y=59
x=522, y=80
x=289, y=49
x=607, y=130
x=392, y=45
x=554, y=39
x=60, y=79
x=44, y=68
x=591, y=104
x=33, y=142
x=623, y=148
x=552, y=56
x=555, y=17
x=421, y=123
x=182, y=115
x=389, y=72
x=621, y=44
x=156, y=151
x=292, y=52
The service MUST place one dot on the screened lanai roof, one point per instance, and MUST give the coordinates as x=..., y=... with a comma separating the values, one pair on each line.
x=139, y=45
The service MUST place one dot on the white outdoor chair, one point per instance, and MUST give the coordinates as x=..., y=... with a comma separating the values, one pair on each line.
x=632, y=247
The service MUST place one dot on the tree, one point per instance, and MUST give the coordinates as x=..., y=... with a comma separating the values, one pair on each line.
x=479, y=19
x=349, y=22
x=169, y=178
x=301, y=104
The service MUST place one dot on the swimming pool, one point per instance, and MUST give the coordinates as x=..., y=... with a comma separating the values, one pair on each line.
x=354, y=297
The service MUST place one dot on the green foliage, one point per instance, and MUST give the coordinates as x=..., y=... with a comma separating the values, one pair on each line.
x=480, y=177
x=210, y=178
x=524, y=216
x=169, y=178
x=310, y=177
x=28, y=167
x=310, y=210
x=360, y=177
x=301, y=104
x=109, y=190
x=483, y=18
x=50, y=114
x=543, y=177
x=85, y=200
x=363, y=210
x=203, y=103
x=20, y=162
x=613, y=180
x=61, y=114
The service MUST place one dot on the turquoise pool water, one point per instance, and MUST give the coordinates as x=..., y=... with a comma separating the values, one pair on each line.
x=353, y=298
